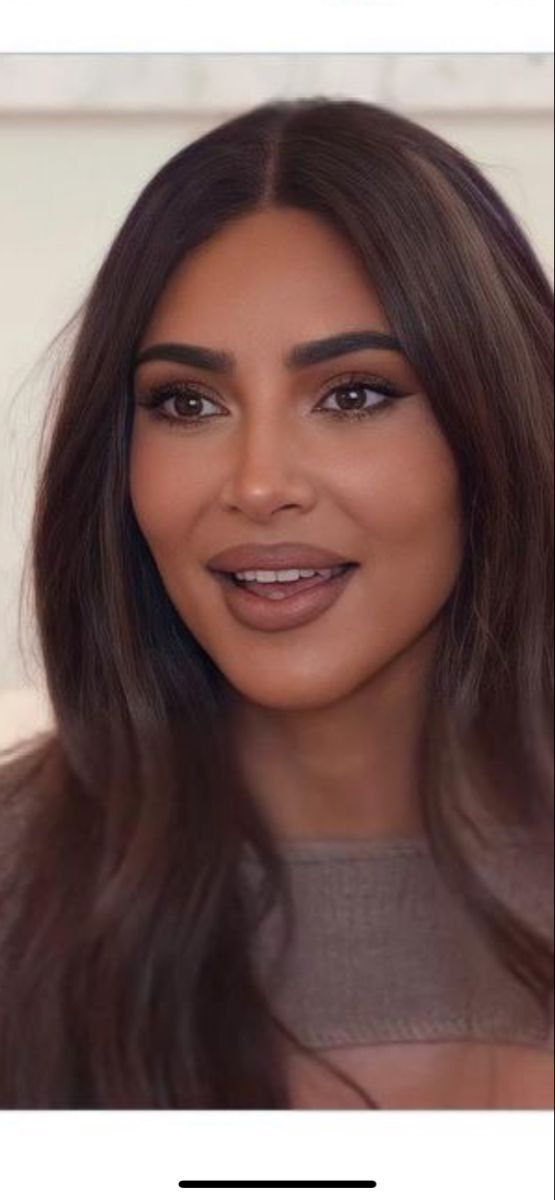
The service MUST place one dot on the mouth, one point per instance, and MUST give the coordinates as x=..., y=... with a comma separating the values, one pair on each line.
x=278, y=604
x=279, y=589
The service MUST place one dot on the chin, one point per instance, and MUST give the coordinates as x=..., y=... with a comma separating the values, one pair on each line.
x=290, y=691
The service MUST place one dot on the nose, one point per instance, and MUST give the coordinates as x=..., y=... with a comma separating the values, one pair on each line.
x=267, y=469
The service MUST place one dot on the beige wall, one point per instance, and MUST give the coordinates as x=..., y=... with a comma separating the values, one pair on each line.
x=79, y=139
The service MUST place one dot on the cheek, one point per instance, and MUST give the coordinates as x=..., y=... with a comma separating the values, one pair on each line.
x=165, y=497
x=410, y=504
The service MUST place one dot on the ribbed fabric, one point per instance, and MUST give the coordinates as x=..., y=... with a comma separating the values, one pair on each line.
x=384, y=951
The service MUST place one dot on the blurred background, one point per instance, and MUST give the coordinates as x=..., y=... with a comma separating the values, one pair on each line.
x=81, y=134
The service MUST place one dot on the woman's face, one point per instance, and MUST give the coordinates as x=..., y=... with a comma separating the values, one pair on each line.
x=272, y=462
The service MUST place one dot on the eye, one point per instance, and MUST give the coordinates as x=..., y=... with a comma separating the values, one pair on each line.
x=357, y=397
x=360, y=397
x=188, y=399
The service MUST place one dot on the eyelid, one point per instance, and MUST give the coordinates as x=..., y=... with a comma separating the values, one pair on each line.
x=172, y=385
x=374, y=382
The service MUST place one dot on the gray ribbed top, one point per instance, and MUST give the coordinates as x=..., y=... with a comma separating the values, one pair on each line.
x=384, y=950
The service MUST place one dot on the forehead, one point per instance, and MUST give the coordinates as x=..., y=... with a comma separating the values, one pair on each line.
x=275, y=276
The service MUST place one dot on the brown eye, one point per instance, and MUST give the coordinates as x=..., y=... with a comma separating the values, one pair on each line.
x=188, y=403
x=351, y=394
x=360, y=397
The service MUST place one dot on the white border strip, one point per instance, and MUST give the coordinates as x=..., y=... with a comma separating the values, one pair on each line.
x=454, y=1155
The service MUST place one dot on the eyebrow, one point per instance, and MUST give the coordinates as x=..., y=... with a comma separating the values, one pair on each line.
x=303, y=355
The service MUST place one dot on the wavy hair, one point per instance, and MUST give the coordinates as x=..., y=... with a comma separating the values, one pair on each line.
x=129, y=945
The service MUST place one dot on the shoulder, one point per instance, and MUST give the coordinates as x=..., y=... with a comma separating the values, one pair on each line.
x=19, y=780
x=25, y=772
x=20, y=791
x=518, y=865
x=13, y=805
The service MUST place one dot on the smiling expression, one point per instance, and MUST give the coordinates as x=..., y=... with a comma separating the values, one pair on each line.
x=281, y=434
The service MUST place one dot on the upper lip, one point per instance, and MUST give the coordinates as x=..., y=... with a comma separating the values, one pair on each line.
x=252, y=557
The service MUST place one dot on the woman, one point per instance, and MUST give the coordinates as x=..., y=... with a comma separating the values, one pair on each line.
x=319, y=345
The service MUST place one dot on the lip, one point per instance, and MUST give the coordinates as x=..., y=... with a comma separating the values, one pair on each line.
x=277, y=557
x=270, y=616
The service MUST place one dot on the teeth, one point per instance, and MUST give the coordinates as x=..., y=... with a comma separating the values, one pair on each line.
x=287, y=576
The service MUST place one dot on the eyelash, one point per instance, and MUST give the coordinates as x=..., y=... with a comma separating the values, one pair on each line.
x=167, y=391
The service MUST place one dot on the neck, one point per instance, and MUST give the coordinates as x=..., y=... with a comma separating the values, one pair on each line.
x=350, y=770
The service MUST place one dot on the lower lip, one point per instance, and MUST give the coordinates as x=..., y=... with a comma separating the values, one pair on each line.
x=271, y=615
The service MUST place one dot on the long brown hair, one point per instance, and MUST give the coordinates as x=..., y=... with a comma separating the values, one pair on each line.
x=128, y=927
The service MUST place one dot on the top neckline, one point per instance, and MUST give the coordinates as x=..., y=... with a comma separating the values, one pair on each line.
x=316, y=849
x=382, y=846
x=385, y=950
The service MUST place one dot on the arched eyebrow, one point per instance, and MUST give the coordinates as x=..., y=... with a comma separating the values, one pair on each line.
x=303, y=355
